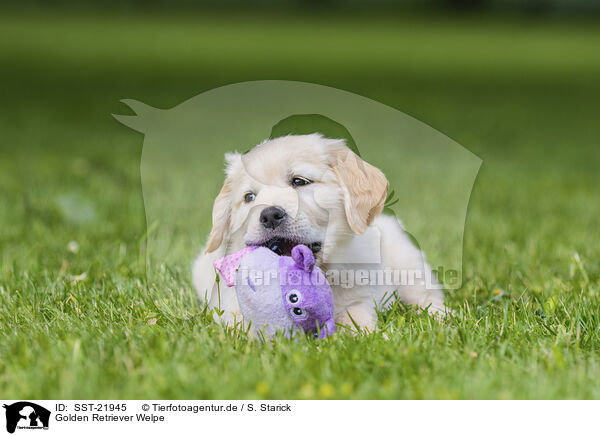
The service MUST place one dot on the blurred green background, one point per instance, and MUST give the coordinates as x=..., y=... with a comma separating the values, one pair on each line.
x=516, y=83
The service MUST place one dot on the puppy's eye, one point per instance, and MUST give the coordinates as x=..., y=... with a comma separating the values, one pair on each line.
x=249, y=196
x=300, y=181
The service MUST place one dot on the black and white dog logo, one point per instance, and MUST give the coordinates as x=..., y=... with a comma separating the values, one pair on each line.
x=26, y=415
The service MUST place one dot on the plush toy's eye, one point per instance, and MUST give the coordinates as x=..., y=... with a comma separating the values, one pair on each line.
x=249, y=196
x=300, y=181
x=293, y=297
x=298, y=311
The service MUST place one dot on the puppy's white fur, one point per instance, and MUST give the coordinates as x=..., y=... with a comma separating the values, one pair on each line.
x=340, y=209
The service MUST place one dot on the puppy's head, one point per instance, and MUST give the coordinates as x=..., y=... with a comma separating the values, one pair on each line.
x=299, y=189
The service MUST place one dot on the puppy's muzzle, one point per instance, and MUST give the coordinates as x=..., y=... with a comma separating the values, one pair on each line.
x=273, y=216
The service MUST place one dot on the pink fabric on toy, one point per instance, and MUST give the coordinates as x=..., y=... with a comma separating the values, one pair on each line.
x=228, y=265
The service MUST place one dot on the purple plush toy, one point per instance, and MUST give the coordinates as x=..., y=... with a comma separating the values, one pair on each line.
x=280, y=293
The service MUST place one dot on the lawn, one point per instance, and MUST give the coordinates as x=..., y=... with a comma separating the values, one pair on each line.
x=78, y=318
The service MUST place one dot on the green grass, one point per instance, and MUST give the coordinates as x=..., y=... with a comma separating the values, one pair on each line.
x=521, y=95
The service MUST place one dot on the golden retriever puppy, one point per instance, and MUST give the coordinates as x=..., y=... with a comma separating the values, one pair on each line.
x=311, y=190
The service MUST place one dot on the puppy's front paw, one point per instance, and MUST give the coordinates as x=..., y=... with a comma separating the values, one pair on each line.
x=357, y=319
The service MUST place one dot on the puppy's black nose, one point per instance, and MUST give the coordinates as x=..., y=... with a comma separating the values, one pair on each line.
x=272, y=216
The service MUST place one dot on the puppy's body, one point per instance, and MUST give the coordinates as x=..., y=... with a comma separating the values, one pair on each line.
x=312, y=190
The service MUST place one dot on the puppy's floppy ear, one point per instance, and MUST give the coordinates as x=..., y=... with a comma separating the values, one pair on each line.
x=220, y=217
x=364, y=187
x=221, y=213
